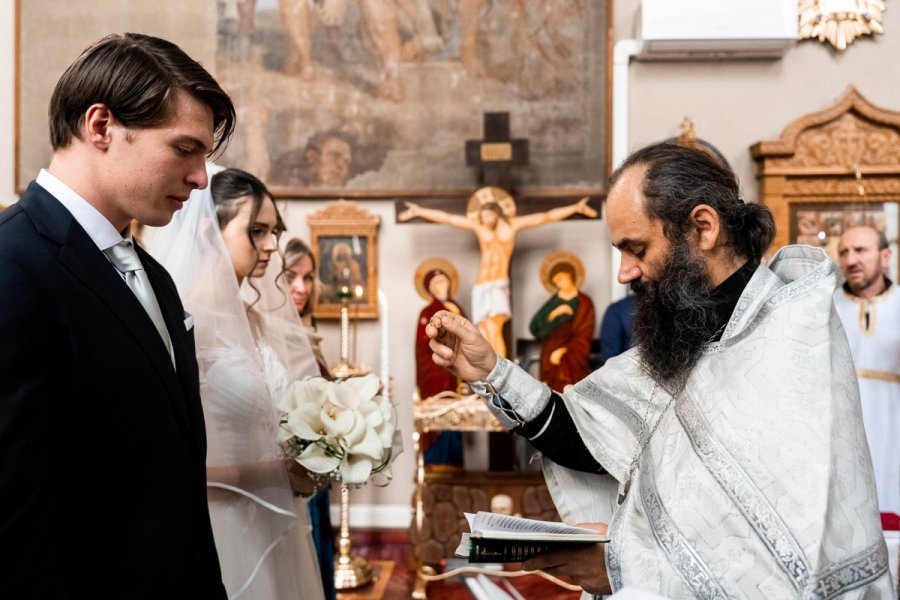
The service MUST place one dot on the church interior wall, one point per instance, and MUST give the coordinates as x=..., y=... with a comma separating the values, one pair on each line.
x=732, y=103
x=736, y=103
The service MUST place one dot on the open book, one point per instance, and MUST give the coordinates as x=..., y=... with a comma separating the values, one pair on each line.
x=501, y=538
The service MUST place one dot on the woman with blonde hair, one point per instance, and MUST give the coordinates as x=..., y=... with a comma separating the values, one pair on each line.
x=300, y=274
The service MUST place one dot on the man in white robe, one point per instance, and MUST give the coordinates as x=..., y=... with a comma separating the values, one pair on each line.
x=868, y=304
x=732, y=432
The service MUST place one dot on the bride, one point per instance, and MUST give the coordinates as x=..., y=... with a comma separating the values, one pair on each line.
x=224, y=238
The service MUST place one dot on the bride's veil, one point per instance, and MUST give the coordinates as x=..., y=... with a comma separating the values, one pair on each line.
x=280, y=323
x=251, y=504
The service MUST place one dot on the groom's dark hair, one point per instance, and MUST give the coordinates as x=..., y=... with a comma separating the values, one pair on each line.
x=136, y=76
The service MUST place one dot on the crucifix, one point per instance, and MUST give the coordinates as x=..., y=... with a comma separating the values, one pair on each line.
x=492, y=215
x=496, y=154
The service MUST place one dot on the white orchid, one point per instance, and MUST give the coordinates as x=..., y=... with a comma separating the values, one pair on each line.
x=343, y=428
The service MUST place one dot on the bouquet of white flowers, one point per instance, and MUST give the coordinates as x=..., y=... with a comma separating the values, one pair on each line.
x=342, y=429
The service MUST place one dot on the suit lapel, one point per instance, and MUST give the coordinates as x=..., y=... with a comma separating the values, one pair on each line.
x=173, y=315
x=86, y=262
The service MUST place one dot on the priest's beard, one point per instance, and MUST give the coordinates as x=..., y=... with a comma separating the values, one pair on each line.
x=675, y=317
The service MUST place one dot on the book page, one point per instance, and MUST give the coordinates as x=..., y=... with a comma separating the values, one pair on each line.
x=487, y=521
x=496, y=538
x=463, y=549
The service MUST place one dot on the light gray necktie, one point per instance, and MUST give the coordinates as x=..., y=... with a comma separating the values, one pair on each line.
x=125, y=259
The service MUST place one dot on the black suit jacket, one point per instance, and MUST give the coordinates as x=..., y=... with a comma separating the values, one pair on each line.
x=102, y=442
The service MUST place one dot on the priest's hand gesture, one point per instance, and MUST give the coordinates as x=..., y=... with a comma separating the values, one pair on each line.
x=586, y=565
x=458, y=345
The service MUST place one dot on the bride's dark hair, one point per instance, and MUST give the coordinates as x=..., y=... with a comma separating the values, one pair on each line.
x=230, y=189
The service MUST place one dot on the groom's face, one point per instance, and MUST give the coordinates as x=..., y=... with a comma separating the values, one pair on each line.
x=150, y=172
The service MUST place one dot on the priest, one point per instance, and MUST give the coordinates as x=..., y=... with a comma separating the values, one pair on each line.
x=725, y=452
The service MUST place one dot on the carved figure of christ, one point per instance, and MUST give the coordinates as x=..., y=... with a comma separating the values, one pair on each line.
x=495, y=226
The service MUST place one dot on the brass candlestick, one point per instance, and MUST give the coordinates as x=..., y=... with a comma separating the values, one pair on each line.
x=345, y=368
x=350, y=570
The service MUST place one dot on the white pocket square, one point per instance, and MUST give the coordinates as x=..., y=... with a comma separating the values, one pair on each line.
x=188, y=321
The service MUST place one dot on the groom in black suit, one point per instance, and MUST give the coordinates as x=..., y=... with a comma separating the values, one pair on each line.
x=102, y=443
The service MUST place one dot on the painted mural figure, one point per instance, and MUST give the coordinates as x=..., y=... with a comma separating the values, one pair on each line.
x=399, y=30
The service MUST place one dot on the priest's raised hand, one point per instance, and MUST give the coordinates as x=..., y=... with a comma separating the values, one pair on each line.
x=459, y=346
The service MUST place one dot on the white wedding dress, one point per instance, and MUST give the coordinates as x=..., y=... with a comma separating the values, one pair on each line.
x=264, y=544
x=265, y=550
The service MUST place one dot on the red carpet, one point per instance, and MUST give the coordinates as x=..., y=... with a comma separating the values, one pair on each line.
x=394, y=546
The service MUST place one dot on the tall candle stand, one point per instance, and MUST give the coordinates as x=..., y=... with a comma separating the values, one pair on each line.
x=345, y=368
x=350, y=570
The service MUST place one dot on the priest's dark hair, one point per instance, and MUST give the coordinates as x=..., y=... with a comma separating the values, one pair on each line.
x=677, y=179
x=136, y=76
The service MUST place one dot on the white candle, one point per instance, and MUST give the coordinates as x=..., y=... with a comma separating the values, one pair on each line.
x=345, y=332
x=358, y=294
x=345, y=326
x=383, y=316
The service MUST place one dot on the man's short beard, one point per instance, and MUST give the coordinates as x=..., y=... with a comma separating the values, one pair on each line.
x=675, y=317
x=865, y=284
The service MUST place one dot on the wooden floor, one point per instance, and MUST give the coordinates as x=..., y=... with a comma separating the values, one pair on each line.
x=394, y=546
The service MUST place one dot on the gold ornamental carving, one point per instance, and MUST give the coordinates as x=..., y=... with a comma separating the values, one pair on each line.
x=839, y=22
x=848, y=140
x=854, y=127
x=825, y=189
x=450, y=411
x=343, y=213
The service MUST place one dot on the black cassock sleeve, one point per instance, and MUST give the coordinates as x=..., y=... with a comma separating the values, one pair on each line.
x=553, y=433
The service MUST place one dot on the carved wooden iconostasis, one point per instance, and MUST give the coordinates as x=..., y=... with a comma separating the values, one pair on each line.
x=833, y=169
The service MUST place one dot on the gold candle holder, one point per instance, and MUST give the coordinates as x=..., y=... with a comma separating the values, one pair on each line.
x=345, y=368
x=350, y=570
